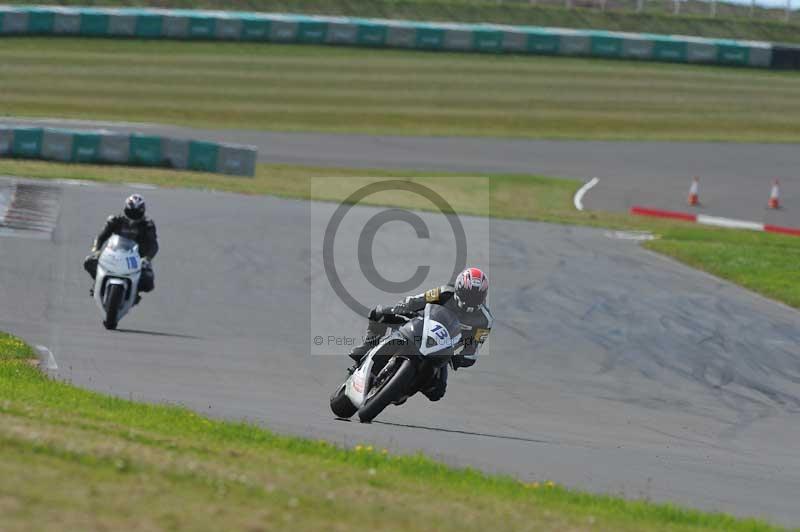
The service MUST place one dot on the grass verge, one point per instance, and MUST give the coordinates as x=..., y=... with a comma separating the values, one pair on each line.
x=732, y=20
x=79, y=460
x=317, y=88
x=14, y=349
x=762, y=262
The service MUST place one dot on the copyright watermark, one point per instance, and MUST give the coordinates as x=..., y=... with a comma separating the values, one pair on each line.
x=338, y=341
x=384, y=240
x=366, y=240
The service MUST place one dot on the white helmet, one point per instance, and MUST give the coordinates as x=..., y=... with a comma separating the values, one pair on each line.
x=134, y=207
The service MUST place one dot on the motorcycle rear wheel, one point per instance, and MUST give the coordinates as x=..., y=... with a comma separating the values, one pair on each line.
x=115, y=295
x=393, y=387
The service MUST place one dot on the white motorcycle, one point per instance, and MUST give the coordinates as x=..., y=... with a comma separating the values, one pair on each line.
x=118, y=271
x=401, y=363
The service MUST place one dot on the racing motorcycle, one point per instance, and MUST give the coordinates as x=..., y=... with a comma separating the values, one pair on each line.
x=399, y=365
x=118, y=270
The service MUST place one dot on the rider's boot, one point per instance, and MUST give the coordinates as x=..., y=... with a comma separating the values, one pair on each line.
x=437, y=386
x=398, y=402
x=360, y=351
x=137, y=300
x=375, y=332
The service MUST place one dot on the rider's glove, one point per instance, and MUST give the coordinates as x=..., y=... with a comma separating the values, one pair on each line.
x=383, y=314
x=145, y=262
x=401, y=309
x=379, y=313
x=457, y=361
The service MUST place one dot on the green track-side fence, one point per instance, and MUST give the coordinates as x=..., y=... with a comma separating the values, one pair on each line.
x=487, y=38
x=108, y=147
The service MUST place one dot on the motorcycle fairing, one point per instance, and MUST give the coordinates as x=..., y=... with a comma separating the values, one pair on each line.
x=358, y=384
x=436, y=336
x=119, y=263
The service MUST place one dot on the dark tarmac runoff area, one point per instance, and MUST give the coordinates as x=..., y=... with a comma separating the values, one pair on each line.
x=610, y=368
x=735, y=179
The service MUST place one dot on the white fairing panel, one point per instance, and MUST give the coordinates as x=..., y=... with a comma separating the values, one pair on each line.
x=437, y=333
x=120, y=257
x=119, y=263
x=358, y=384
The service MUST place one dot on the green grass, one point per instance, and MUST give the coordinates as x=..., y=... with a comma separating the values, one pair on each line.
x=311, y=88
x=763, y=262
x=732, y=21
x=78, y=460
x=512, y=196
x=12, y=348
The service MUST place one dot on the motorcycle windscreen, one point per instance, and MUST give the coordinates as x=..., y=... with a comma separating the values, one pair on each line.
x=120, y=243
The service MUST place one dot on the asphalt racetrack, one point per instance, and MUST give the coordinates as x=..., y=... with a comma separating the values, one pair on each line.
x=610, y=368
x=735, y=179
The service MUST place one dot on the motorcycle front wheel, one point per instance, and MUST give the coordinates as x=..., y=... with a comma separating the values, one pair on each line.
x=392, y=383
x=341, y=406
x=115, y=295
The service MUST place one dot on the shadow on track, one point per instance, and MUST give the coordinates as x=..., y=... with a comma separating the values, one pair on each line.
x=155, y=333
x=465, y=432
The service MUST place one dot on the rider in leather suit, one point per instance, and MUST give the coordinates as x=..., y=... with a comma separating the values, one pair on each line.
x=466, y=297
x=134, y=225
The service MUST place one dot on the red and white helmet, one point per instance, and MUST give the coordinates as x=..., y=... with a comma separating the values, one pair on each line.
x=471, y=288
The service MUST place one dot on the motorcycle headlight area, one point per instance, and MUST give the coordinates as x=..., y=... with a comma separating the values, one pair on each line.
x=117, y=264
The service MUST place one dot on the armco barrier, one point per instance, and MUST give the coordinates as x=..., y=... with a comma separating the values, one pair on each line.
x=108, y=147
x=486, y=38
x=6, y=141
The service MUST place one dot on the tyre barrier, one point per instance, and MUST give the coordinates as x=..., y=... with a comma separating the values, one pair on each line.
x=785, y=57
x=287, y=28
x=109, y=147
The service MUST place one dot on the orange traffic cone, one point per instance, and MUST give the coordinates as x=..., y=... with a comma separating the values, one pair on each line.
x=774, y=196
x=694, y=191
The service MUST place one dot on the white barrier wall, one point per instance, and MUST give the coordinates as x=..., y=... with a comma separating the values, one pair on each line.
x=286, y=28
x=107, y=147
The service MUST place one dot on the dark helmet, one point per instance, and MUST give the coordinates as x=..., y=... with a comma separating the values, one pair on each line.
x=134, y=207
x=471, y=288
